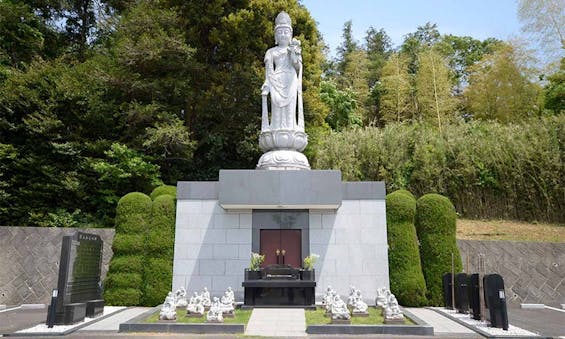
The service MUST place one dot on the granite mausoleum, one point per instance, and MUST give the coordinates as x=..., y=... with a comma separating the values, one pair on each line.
x=282, y=210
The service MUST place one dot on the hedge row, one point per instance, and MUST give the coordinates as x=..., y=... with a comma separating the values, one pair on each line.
x=406, y=278
x=488, y=170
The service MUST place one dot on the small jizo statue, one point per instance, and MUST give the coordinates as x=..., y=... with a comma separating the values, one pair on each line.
x=215, y=313
x=169, y=309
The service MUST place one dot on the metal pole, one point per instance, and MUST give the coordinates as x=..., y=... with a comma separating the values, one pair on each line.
x=452, y=281
x=481, y=289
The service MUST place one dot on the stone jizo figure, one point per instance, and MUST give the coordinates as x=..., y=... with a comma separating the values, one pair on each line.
x=359, y=306
x=195, y=306
x=169, y=309
x=226, y=304
x=339, y=309
x=392, y=311
x=352, y=295
x=180, y=298
x=215, y=313
x=381, y=299
x=205, y=295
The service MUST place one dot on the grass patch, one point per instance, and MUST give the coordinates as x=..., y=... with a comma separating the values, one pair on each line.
x=509, y=230
x=375, y=317
x=241, y=317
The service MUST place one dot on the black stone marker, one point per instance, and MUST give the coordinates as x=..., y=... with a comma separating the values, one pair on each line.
x=474, y=295
x=495, y=300
x=79, y=291
x=447, y=296
x=461, y=293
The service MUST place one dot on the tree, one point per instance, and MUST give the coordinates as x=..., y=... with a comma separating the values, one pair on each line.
x=342, y=106
x=499, y=90
x=379, y=49
x=347, y=46
x=434, y=88
x=395, y=103
x=555, y=91
x=425, y=37
x=545, y=20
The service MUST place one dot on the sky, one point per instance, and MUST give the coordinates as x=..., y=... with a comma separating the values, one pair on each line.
x=479, y=19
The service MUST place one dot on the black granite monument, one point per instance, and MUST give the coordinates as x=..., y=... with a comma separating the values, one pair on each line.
x=447, y=295
x=461, y=293
x=79, y=292
x=474, y=295
x=495, y=300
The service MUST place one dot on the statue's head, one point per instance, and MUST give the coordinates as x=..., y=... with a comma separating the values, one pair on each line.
x=283, y=28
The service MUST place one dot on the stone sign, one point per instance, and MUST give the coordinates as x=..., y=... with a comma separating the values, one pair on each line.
x=79, y=292
x=495, y=300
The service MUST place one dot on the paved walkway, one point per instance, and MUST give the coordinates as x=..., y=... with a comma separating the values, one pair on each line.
x=277, y=322
x=112, y=323
x=440, y=323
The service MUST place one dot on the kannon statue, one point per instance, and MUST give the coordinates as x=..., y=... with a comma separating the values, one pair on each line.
x=282, y=134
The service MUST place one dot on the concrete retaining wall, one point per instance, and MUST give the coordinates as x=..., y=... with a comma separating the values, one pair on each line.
x=533, y=272
x=29, y=261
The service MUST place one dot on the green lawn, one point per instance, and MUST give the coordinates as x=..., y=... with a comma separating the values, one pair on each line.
x=375, y=317
x=241, y=317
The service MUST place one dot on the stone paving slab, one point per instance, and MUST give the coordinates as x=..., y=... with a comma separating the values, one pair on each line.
x=277, y=322
x=440, y=323
x=18, y=319
x=112, y=323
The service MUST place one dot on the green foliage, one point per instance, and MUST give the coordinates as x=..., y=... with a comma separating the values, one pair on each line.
x=122, y=296
x=406, y=278
x=163, y=189
x=132, y=213
x=488, y=170
x=342, y=106
x=123, y=280
x=395, y=102
x=555, y=91
x=126, y=264
x=21, y=38
x=161, y=235
x=436, y=228
x=128, y=244
x=158, y=278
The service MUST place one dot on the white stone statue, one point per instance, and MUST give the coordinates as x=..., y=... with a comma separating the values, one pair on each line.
x=359, y=306
x=205, y=295
x=339, y=309
x=180, y=298
x=226, y=304
x=392, y=311
x=326, y=299
x=330, y=300
x=169, y=309
x=195, y=306
x=231, y=294
x=215, y=313
x=283, y=138
x=381, y=299
x=352, y=296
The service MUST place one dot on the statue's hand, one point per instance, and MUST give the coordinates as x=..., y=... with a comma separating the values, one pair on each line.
x=265, y=89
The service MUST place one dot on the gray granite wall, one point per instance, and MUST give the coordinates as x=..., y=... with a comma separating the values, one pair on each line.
x=29, y=261
x=533, y=272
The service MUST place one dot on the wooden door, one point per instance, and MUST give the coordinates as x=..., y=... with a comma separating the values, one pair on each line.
x=287, y=242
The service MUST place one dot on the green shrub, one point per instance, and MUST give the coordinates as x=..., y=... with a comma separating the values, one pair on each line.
x=406, y=278
x=128, y=244
x=124, y=280
x=436, y=227
x=126, y=264
x=165, y=189
x=131, y=204
x=158, y=281
x=122, y=297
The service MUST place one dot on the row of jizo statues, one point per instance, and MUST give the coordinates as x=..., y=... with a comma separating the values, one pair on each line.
x=341, y=313
x=216, y=309
x=462, y=292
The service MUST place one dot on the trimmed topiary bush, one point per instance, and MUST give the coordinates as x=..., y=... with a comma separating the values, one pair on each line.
x=160, y=242
x=124, y=283
x=158, y=279
x=436, y=228
x=164, y=189
x=123, y=296
x=406, y=278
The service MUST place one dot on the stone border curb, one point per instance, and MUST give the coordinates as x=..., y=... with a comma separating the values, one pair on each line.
x=532, y=306
x=421, y=328
x=135, y=325
x=33, y=306
x=483, y=333
x=69, y=331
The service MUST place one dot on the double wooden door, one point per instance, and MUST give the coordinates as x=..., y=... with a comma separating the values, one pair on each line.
x=281, y=246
